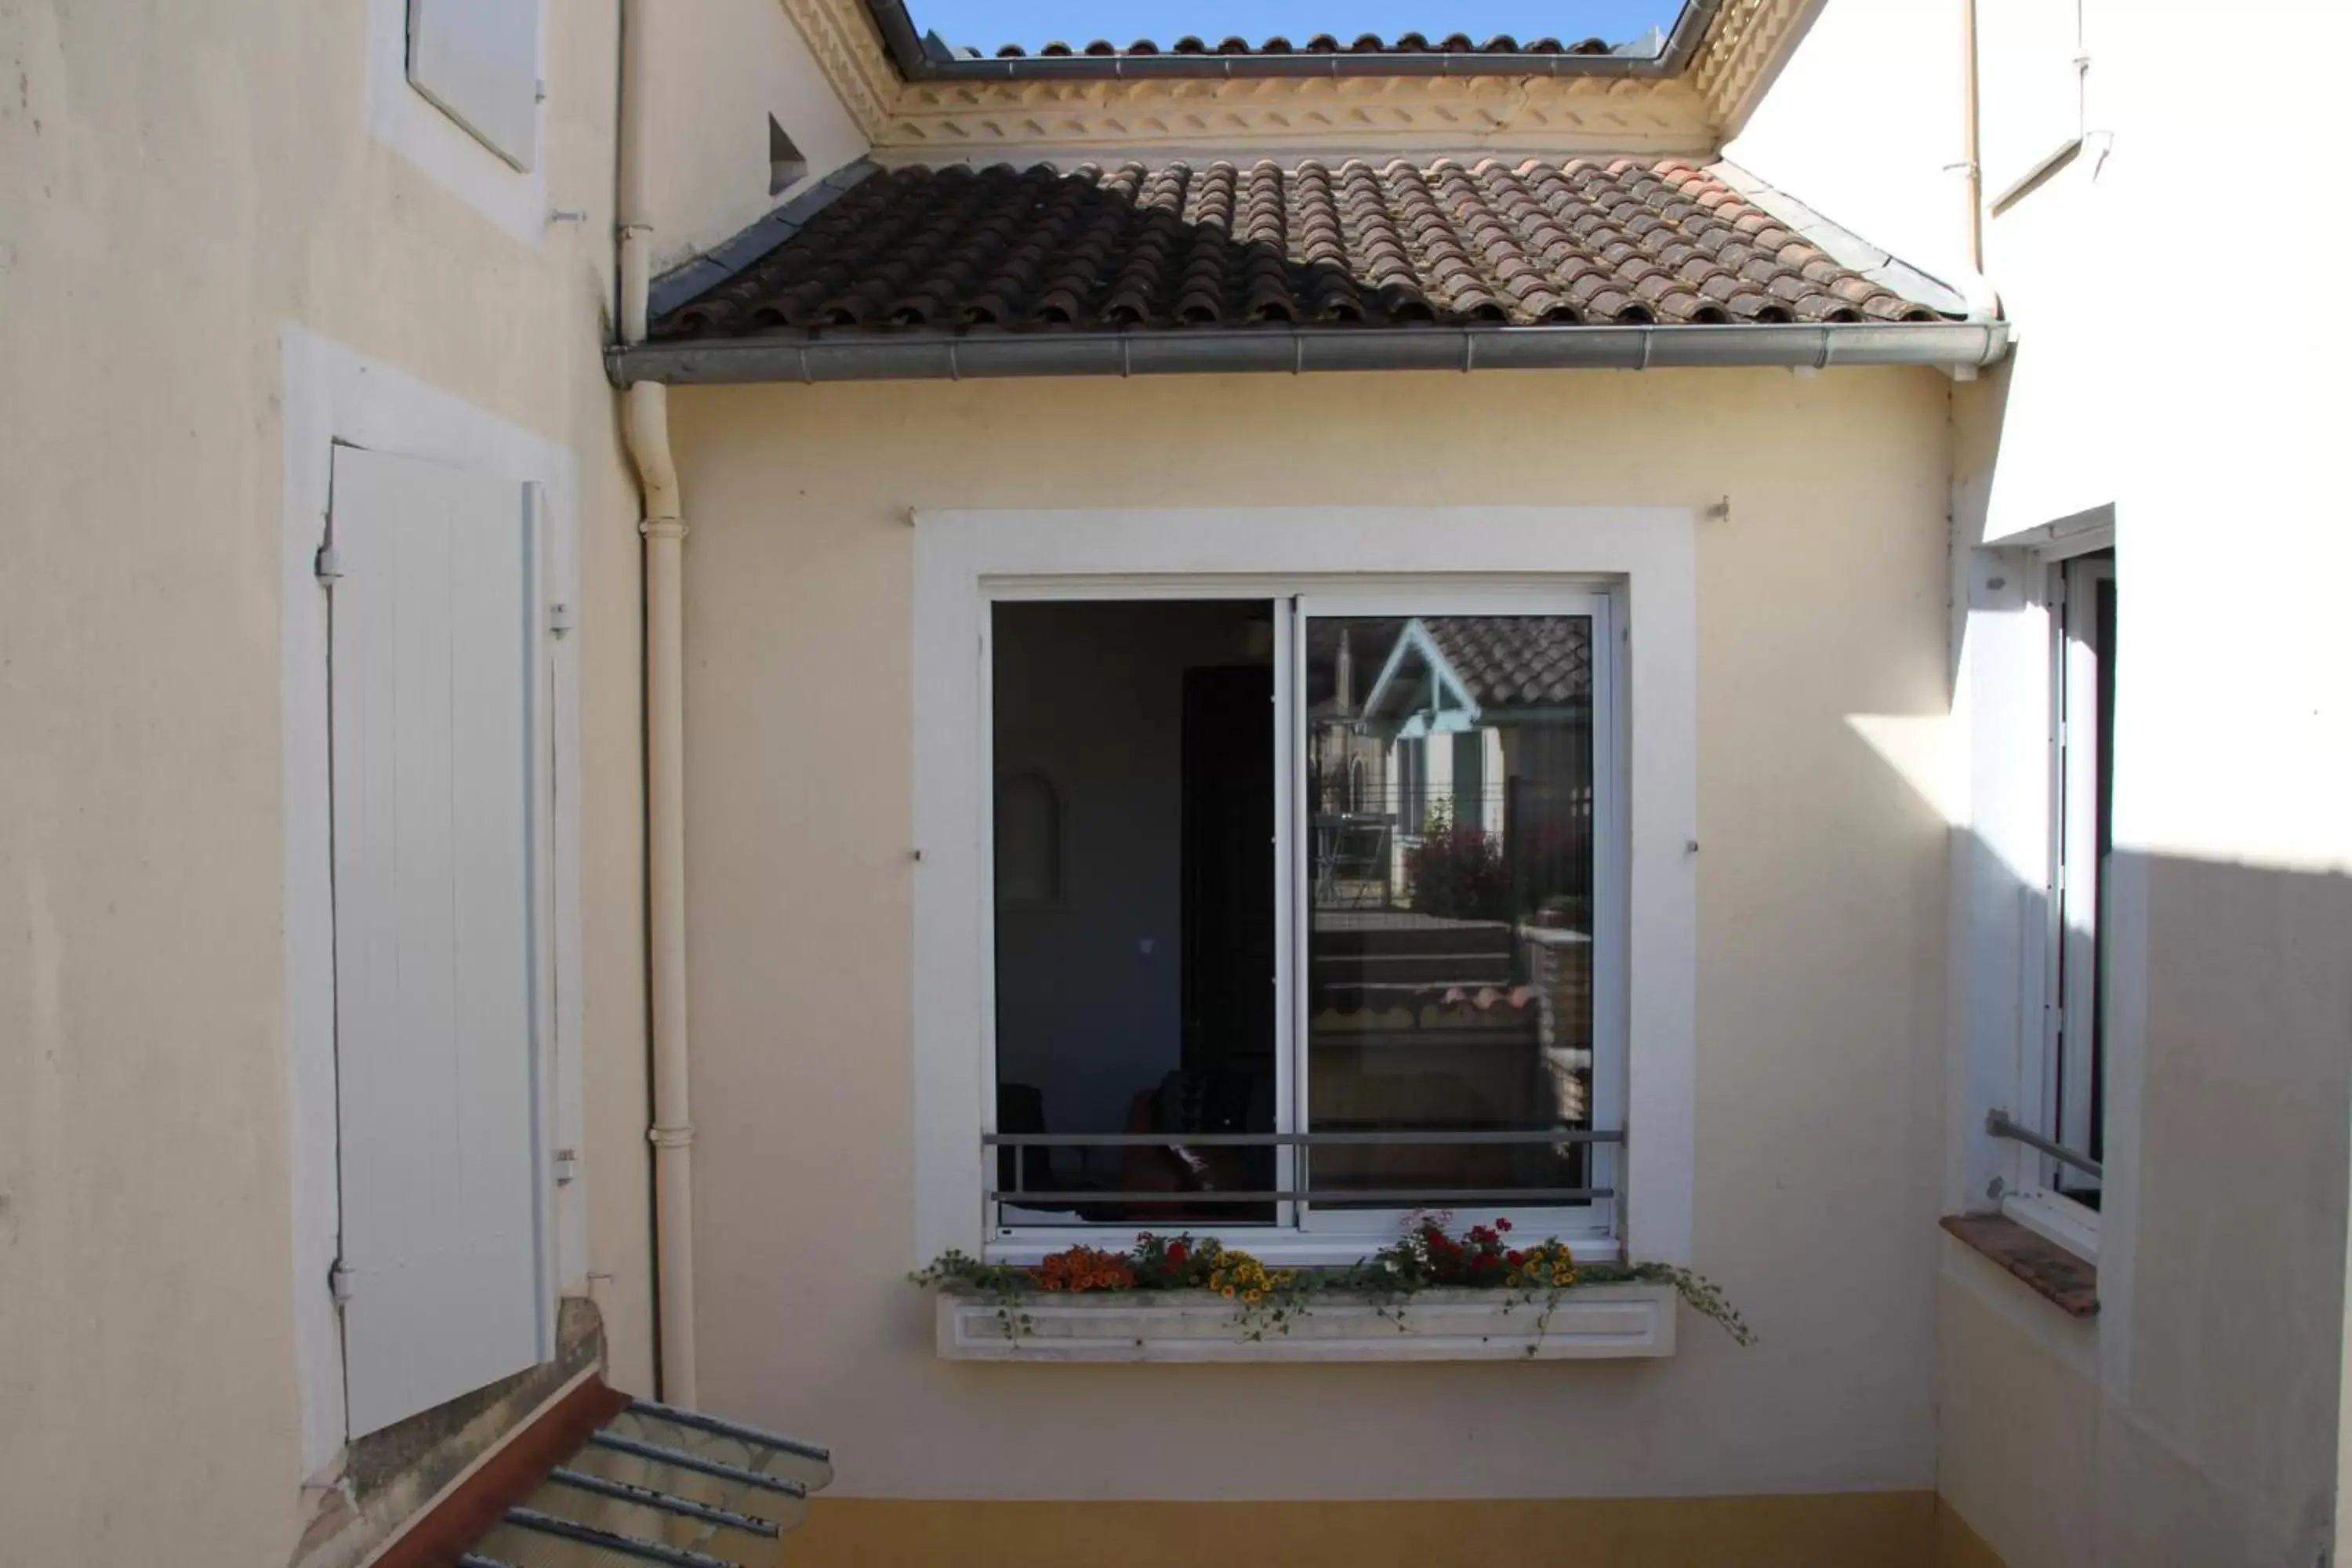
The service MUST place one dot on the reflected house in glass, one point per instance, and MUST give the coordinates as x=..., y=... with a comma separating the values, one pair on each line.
x=1450, y=941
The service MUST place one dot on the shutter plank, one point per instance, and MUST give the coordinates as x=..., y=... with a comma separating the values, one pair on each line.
x=432, y=719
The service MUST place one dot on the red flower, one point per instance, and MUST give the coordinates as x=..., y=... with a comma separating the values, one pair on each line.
x=1514, y=1258
x=1502, y=1225
x=1177, y=1252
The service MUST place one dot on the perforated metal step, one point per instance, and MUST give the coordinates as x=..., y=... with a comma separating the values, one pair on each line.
x=656, y=1485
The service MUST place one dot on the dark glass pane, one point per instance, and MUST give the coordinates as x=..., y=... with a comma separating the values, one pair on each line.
x=1135, y=905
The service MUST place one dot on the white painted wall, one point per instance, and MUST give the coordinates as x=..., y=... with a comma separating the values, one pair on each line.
x=2199, y=1422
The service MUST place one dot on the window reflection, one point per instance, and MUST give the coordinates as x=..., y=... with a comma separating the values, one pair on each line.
x=1449, y=969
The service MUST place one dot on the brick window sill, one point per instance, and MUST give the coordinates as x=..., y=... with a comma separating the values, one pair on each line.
x=2048, y=1270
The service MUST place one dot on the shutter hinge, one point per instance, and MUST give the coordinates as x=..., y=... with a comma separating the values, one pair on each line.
x=339, y=1283
x=559, y=619
x=327, y=565
x=567, y=1166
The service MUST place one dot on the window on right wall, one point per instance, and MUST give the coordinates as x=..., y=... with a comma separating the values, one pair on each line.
x=2084, y=681
x=2060, y=1126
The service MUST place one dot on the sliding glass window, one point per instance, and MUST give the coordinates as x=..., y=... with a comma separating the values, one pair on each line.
x=1308, y=911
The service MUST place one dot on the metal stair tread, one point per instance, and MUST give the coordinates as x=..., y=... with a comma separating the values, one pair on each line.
x=532, y=1520
x=648, y=1497
x=736, y=1429
x=654, y=1452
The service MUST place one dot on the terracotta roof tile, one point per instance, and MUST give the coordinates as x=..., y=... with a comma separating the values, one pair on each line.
x=1517, y=661
x=1320, y=44
x=1519, y=243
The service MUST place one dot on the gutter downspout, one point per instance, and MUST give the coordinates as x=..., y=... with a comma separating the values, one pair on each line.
x=644, y=423
x=1983, y=300
x=1973, y=163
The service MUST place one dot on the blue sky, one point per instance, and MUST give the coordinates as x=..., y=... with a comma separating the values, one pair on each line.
x=985, y=24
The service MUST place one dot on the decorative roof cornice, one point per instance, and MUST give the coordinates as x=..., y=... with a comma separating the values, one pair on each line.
x=932, y=121
x=1745, y=48
x=840, y=34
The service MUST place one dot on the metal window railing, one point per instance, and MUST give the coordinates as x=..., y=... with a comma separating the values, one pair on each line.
x=1998, y=1124
x=1020, y=1193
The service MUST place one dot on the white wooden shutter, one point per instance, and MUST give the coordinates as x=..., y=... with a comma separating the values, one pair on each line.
x=433, y=656
x=479, y=59
x=2030, y=94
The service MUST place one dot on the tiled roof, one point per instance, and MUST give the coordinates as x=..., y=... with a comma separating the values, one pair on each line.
x=1517, y=661
x=1516, y=243
x=1322, y=43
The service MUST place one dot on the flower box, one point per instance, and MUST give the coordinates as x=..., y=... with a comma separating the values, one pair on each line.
x=1582, y=1322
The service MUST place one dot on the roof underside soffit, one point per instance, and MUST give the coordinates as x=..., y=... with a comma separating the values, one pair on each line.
x=935, y=121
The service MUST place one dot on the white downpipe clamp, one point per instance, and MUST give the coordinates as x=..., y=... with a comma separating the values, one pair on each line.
x=670, y=1137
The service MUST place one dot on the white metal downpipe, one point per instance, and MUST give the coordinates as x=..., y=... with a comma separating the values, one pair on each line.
x=645, y=427
x=1984, y=302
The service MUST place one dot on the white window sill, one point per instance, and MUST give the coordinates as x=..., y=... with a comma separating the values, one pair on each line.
x=1588, y=1322
x=2056, y=1219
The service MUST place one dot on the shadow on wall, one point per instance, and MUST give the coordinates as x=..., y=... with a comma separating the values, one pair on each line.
x=2211, y=1434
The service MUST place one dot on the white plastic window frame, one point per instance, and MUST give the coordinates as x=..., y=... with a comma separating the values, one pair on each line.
x=429, y=138
x=1590, y=1228
x=2030, y=1191
x=1298, y=1230
x=1643, y=560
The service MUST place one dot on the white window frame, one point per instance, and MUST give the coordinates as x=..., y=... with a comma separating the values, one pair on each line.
x=2031, y=1193
x=1590, y=1229
x=1645, y=557
x=430, y=138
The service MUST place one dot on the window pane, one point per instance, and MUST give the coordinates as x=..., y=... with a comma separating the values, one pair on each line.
x=1449, y=870
x=2086, y=796
x=1135, y=904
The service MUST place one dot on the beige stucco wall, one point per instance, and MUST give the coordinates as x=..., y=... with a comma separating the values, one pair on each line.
x=1821, y=937
x=178, y=183
x=2198, y=1420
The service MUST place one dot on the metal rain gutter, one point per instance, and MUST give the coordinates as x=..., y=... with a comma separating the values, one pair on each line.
x=1957, y=346
x=918, y=62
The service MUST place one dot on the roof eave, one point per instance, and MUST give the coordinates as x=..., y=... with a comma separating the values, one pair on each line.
x=1959, y=347
x=916, y=63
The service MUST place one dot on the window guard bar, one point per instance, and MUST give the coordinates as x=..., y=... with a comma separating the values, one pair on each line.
x=1184, y=1197
x=1020, y=1193
x=1272, y=1140
x=1998, y=1124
